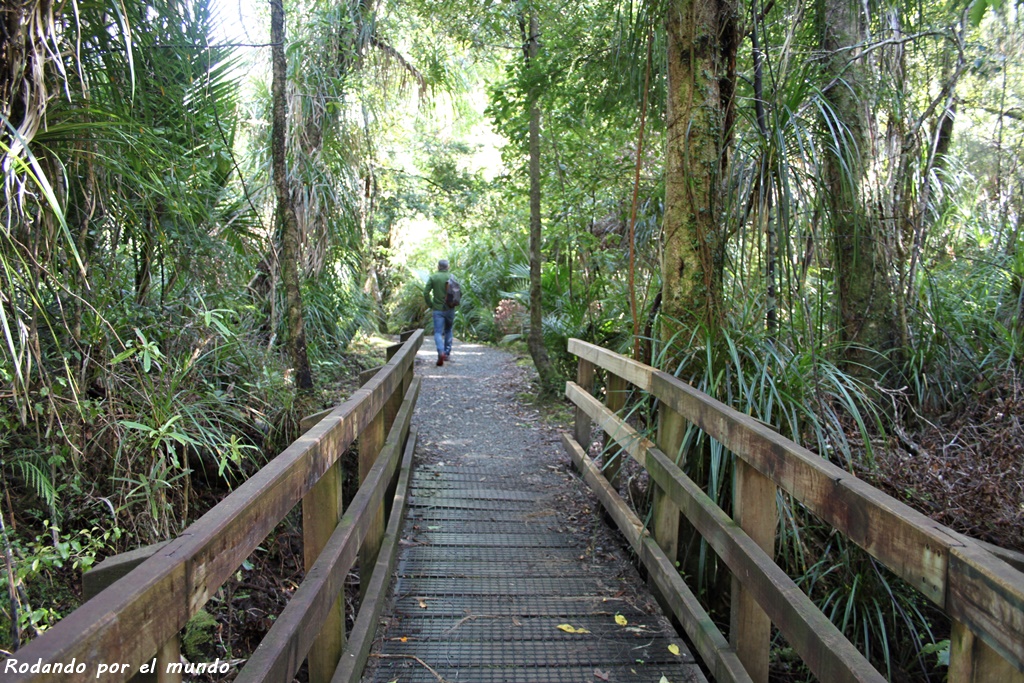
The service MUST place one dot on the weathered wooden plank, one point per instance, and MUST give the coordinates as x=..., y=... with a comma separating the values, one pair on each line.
x=711, y=645
x=627, y=437
x=368, y=374
x=823, y=648
x=1011, y=557
x=391, y=409
x=135, y=616
x=755, y=510
x=371, y=441
x=617, y=389
x=635, y=373
x=114, y=567
x=665, y=514
x=972, y=661
x=987, y=595
x=353, y=660
x=170, y=653
x=307, y=423
x=282, y=650
x=585, y=381
x=321, y=511
x=905, y=540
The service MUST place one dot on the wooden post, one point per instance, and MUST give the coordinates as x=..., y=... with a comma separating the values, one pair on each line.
x=321, y=510
x=585, y=380
x=392, y=406
x=617, y=389
x=110, y=570
x=665, y=516
x=756, y=511
x=972, y=661
x=371, y=440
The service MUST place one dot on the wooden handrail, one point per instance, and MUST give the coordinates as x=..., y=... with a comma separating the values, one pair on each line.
x=135, y=616
x=282, y=650
x=976, y=589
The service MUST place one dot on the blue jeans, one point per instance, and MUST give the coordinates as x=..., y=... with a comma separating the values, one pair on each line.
x=444, y=321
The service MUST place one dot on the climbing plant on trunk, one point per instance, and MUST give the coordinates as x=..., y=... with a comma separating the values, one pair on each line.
x=702, y=38
x=286, y=219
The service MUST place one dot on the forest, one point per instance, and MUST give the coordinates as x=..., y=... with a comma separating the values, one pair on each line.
x=808, y=209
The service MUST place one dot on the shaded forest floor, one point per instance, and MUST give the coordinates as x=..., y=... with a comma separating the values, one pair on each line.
x=966, y=469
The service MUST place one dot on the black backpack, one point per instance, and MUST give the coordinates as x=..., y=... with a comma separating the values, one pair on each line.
x=452, y=293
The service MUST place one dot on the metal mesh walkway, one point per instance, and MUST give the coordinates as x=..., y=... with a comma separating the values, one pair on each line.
x=486, y=577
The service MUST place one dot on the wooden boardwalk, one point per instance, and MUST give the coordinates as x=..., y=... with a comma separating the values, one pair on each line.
x=489, y=586
x=504, y=573
x=502, y=554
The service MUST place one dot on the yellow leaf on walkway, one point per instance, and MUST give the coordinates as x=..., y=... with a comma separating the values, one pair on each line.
x=620, y=620
x=568, y=628
x=674, y=649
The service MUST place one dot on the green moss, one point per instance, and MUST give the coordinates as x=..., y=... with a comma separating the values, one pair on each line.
x=198, y=632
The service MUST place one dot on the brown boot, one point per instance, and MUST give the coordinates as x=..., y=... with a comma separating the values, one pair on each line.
x=440, y=361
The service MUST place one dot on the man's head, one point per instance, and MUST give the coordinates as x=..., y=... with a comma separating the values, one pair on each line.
x=442, y=264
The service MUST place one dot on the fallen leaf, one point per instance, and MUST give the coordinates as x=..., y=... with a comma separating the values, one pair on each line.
x=674, y=649
x=571, y=629
x=603, y=675
x=664, y=680
x=423, y=603
x=621, y=620
x=404, y=639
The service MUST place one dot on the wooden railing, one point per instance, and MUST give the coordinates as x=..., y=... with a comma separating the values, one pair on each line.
x=983, y=595
x=115, y=635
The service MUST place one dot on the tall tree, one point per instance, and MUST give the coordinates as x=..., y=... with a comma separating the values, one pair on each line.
x=702, y=41
x=864, y=294
x=535, y=341
x=285, y=212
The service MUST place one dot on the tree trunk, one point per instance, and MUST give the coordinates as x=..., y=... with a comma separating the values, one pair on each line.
x=701, y=59
x=862, y=281
x=701, y=71
x=285, y=211
x=535, y=341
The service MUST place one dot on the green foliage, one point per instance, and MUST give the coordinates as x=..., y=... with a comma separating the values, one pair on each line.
x=198, y=635
x=884, y=617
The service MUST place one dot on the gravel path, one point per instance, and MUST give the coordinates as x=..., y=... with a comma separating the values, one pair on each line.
x=503, y=547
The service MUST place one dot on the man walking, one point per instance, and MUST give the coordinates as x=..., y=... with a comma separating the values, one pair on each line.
x=444, y=317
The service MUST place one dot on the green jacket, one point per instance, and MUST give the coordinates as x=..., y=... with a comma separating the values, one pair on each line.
x=434, y=292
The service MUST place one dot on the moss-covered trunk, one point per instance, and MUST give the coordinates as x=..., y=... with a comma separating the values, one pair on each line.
x=866, y=315
x=285, y=211
x=701, y=66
